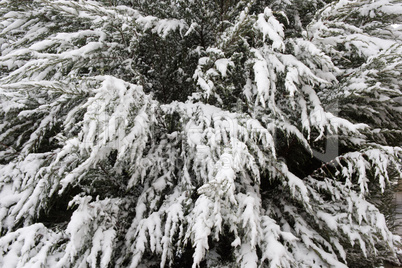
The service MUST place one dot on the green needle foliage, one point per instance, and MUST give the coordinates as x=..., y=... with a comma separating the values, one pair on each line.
x=218, y=133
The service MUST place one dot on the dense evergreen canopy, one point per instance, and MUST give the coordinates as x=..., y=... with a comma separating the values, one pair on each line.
x=187, y=133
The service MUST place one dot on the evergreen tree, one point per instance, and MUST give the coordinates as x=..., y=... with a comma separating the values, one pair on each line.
x=182, y=133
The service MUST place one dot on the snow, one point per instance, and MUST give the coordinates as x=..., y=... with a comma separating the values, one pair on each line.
x=88, y=48
x=42, y=45
x=292, y=77
x=271, y=29
x=161, y=26
x=201, y=229
x=16, y=24
x=190, y=186
x=338, y=122
x=328, y=219
x=91, y=236
x=165, y=26
x=262, y=80
x=383, y=6
x=249, y=257
x=28, y=246
x=275, y=251
x=206, y=86
x=298, y=188
x=222, y=65
x=70, y=37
